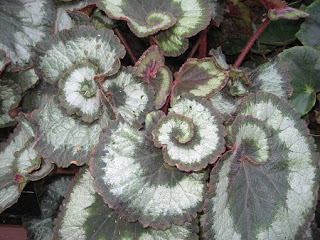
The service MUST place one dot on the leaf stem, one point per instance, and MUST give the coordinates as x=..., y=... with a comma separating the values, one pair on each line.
x=251, y=41
x=203, y=43
x=194, y=48
x=124, y=42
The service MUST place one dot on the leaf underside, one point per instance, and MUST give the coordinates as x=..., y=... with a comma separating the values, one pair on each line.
x=273, y=200
x=86, y=216
x=132, y=178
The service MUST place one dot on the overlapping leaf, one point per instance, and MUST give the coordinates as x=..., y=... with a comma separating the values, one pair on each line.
x=72, y=47
x=86, y=216
x=201, y=77
x=129, y=95
x=192, y=135
x=309, y=31
x=303, y=66
x=134, y=180
x=25, y=79
x=66, y=139
x=18, y=159
x=10, y=96
x=150, y=66
x=273, y=199
x=63, y=20
x=272, y=77
x=23, y=24
x=4, y=60
x=183, y=18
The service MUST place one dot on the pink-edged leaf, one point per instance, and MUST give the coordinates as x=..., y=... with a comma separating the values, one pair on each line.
x=133, y=179
x=201, y=77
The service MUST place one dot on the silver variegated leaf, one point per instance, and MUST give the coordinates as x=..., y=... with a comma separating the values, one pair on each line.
x=10, y=96
x=224, y=103
x=272, y=200
x=4, y=60
x=129, y=95
x=192, y=135
x=57, y=54
x=272, y=77
x=25, y=79
x=86, y=216
x=66, y=139
x=79, y=93
x=183, y=19
x=133, y=179
x=23, y=24
x=18, y=160
x=63, y=20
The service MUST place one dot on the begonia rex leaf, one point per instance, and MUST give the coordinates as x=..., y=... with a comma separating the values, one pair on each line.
x=66, y=139
x=10, y=96
x=133, y=179
x=129, y=95
x=266, y=186
x=86, y=216
x=23, y=24
x=182, y=19
x=57, y=54
x=18, y=161
x=201, y=77
x=191, y=135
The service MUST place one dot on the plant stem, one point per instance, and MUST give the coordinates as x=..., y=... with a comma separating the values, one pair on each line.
x=203, y=43
x=251, y=41
x=124, y=42
x=194, y=48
